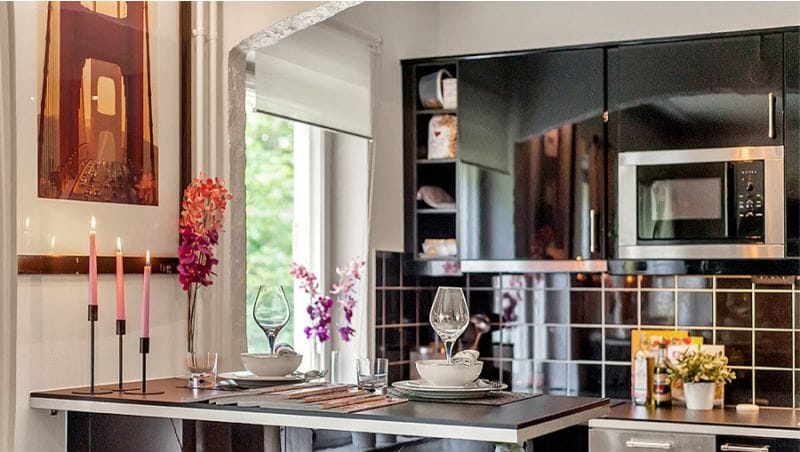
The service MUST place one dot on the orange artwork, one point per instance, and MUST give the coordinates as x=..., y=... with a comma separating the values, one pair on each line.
x=96, y=137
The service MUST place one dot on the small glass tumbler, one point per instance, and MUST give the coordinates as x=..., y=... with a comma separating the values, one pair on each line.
x=372, y=375
x=202, y=369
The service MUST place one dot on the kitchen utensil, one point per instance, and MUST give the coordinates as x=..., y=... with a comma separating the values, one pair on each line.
x=481, y=324
x=449, y=316
x=423, y=389
x=270, y=365
x=430, y=89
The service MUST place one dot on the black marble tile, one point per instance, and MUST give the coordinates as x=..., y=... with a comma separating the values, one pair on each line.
x=551, y=378
x=425, y=298
x=621, y=282
x=621, y=308
x=738, y=346
x=379, y=314
x=774, y=388
x=734, y=283
x=409, y=336
x=739, y=390
x=409, y=310
x=551, y=342
x=392, y=300
x=618, y=344
x=586, y=307
x=393, y=265
x=379, y=266
x=522, y=341
x=658, y=282
x=482, y=302
x=481, y=280
x=586, y=344
x=589, y=380
x=707, y=335
x=393, y=344
x=773, y=349
x=594, y=280
x=658, y=308
x=734, y=309
x=695, y=308
x=695, y=282
x=773, y=310
x=554, y=306
x=618, y=382
x=397, y=372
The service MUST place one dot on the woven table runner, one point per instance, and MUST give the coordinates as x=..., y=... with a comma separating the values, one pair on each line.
x=497, y=398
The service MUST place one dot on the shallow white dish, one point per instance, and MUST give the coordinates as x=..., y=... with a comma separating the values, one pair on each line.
x=247, y=379
x=268, y=365
x=473, y=390
x=439, y=373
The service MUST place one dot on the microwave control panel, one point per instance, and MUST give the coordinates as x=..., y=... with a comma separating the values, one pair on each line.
x=748, y=192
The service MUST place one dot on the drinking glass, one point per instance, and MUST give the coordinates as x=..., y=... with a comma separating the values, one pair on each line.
x=272, y=312
x=372, y=375
x=449, y=316
x=202, y=369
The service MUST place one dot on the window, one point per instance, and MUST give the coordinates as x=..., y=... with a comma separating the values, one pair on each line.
x=269, y=188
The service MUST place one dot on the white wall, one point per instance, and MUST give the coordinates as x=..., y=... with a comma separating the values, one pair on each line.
x=465, y=27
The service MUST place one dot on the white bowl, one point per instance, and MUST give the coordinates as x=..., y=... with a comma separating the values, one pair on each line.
x=439, y=373
x=267, y=365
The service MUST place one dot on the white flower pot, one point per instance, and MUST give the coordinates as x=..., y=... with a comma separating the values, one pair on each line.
x=699, y=396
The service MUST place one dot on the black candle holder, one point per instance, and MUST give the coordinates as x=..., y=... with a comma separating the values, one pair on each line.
x=144, y=349
x=120, y=333
x=92, y=315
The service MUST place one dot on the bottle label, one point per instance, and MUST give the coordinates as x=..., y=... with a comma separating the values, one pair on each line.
x=640, y=381
x=661, y=388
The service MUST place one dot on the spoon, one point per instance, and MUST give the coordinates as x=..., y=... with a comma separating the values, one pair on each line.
x=481, y=324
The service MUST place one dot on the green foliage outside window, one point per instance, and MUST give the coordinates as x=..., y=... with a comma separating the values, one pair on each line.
x=269, y=191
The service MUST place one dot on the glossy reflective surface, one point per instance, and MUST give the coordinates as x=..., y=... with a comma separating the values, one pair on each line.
x=531, y=181
x=705, y=93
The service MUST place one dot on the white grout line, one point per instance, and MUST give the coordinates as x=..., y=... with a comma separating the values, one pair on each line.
x=675, y=299
x=603, y=341
x=794, y=342
x=753, y=340
x=714, y=310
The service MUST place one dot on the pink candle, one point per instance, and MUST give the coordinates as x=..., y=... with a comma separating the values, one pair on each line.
x=120, y=283
x=92, y=264
x=146, y=297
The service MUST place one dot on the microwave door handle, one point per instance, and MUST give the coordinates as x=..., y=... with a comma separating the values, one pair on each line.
x=771, y=99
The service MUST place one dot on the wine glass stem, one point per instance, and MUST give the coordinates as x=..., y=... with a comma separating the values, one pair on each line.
x=271, y=340
x=448, y=346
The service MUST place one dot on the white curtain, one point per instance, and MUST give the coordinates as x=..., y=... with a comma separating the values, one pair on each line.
x=8, y=268
x=320, y=76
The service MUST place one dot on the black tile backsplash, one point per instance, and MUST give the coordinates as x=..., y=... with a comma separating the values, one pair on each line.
x=570, y=333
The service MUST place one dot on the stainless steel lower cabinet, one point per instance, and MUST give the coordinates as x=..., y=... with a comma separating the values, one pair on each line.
x=747, y=444
x=611, y=440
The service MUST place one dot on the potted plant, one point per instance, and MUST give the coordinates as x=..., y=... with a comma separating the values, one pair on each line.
x=700, y=373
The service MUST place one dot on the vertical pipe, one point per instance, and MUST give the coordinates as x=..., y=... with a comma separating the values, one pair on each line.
x=199, y=84
x=213, y=66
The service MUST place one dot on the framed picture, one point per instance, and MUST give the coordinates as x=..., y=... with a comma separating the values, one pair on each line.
x=98, y=100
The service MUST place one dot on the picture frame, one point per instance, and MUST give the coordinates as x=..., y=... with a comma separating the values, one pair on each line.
x=52, y=234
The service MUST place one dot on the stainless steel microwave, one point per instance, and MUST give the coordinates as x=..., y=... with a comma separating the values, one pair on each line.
x=721, y=203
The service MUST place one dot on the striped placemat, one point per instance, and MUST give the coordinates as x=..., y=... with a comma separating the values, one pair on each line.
x=310, y=396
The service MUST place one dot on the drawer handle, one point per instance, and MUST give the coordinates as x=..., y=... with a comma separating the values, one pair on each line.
x=636, y=444
x=734, y=448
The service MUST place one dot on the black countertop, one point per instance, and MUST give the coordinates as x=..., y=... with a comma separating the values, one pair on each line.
x=768, y=418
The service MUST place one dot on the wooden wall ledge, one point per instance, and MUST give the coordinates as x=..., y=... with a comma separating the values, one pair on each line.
x=79, y=265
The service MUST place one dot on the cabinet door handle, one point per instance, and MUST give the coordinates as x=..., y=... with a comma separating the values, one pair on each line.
x=636, y=444
x=592, y=231
x=771, y=115
x=727, y=447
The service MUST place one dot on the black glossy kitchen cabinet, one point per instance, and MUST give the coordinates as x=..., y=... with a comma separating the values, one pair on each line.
x=531, y=144
x=701, y=93
x=744, y=443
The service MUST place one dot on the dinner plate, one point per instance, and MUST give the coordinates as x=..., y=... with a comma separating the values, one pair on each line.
x=247, y=379
x=422, y=388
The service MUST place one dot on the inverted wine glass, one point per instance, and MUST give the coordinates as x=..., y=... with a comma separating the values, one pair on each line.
x=449, y=316
x=272, y=312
